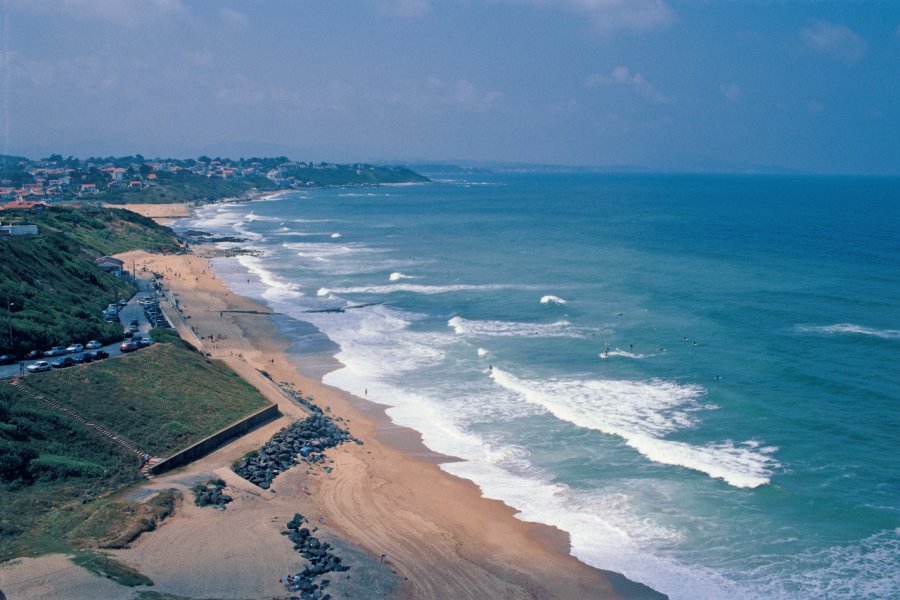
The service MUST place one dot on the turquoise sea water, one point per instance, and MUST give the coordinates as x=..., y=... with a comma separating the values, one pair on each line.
x=738, y=438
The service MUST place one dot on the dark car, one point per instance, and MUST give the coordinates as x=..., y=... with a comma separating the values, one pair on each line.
x=65, y=361
x=34, y=354
x=55, y=351
x=128, y=347
x=134, y=323
x=7, y=359
x=95, y=355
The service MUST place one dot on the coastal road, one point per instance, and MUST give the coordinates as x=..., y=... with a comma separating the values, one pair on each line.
x=130, y=312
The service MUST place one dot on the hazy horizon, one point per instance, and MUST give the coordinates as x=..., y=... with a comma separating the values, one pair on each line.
x=660, y=85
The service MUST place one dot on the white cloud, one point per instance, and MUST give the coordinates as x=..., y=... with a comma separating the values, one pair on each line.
x=624, y=77
x=467, y=95
x=837, y=40
x=731, y=91
x=609, y=16
x=122, y=12
x=436, y=95
x=233, y=18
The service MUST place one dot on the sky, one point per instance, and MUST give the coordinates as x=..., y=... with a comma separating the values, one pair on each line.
x=672, y=85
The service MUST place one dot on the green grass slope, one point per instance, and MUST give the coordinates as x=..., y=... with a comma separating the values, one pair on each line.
x=52, y=469
x=163, y=398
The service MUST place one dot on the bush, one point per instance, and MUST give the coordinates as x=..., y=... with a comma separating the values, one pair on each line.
x=62, y=467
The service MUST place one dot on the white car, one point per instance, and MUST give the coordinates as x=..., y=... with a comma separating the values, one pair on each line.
x=93, y=345
x=41, y=365
x=75, y=348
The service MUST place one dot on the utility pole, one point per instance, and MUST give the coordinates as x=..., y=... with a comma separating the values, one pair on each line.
x=9, y=321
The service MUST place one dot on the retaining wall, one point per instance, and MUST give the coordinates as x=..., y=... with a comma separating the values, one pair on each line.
x=207, y=445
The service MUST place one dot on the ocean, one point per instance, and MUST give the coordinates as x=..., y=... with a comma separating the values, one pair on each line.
x=695, y=376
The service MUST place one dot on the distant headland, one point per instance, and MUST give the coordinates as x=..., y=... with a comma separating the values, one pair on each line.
x=136, y=179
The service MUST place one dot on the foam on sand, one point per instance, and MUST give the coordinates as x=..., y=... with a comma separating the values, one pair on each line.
x=642, y=413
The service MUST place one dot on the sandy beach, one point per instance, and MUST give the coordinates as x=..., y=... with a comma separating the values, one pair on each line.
x=161, y=213
x=441, y=539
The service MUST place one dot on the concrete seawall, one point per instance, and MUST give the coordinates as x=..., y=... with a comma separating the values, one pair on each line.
x=207, y=445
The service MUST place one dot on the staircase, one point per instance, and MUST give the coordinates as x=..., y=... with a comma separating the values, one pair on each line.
x=111, y=435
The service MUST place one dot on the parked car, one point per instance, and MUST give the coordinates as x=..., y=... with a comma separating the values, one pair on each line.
x=95, y=355
x=55, y=351
x=62, y=363
x=33, y=355
x=39, y=366
x=7, y=359
x=145, y=341
x=128, y=347
x=93, y=345
x=134, y=323
x=75, y=348
x=123, y=302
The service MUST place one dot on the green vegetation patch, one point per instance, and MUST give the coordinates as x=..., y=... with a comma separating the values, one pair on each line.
x=54, y=474
x=163, y=398
x=101, y=564
x=185, y=186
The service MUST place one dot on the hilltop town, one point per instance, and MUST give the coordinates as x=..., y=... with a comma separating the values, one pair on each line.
x=136, y=179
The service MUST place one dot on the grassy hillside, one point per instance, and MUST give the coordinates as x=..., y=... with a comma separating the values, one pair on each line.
x=51, y=292
x=163, y=398
x=52, y=469
x=186, y=187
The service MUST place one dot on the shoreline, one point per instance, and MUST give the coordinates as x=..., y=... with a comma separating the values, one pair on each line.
x=389, y=496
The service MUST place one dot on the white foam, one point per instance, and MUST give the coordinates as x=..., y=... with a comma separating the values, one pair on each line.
x=397, y=276
x=422, y=289
x=642, y=413
x=277, y=288
x=549, y=299
x=625, y=354
x=335, y=235
x=482, y=352
x=482, y=329
x=851, y=328
x=251, y=216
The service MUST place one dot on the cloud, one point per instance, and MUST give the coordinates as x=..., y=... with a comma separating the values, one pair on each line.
x=436, y=95
x=233, y=18
x=467, y=95
x=624, y=77
x=837, y=40
x=121, y=12
x=609, y=16
x=731, y=91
